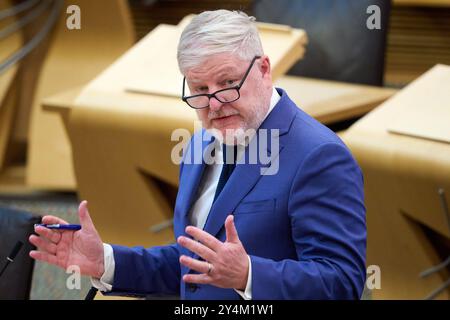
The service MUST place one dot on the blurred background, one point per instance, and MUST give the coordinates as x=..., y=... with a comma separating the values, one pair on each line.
x=81, y=99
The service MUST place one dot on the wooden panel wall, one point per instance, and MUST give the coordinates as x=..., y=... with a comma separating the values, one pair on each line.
x=418, y=38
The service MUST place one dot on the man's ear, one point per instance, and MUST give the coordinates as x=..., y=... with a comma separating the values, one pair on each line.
x=266, y=71
x=265, y=67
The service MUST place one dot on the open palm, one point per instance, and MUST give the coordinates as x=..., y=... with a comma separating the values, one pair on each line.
x=82, y=248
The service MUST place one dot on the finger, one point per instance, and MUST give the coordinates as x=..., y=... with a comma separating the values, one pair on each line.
x=199, y=266
x=197, y=278
x=43, y=244
x=50, y=235
x=230, y=228
x=53, y=220
x=204, y=237
x=44, y=256
x=85, y=218
x=198, y=248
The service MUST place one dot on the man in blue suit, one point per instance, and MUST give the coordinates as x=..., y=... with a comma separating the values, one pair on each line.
x=290, y=225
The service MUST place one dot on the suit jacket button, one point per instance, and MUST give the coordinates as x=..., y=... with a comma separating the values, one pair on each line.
x=192, y=287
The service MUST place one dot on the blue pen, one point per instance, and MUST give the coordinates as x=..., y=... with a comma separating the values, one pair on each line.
x=60, y=226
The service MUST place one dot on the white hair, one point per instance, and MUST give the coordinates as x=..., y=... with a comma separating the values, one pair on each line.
x=215, y=32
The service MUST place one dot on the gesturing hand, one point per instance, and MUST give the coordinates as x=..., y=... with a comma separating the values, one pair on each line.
x=82, y=248
x=226, y=263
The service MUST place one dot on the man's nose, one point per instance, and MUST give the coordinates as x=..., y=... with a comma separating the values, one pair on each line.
x=215, y=104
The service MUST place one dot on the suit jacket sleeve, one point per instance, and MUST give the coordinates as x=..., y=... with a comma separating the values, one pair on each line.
x=140, y=271
x=327, y=214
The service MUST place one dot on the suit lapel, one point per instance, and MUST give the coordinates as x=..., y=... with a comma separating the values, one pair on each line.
x=192, y=175
x=244, y=177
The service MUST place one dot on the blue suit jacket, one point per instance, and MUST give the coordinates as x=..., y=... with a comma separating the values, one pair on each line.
x=303, y=228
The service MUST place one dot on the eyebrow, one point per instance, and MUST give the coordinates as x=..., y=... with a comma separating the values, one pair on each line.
x=227, y=71
x=223, y=73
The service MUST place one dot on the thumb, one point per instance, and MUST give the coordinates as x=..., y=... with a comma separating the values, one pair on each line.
x=230, y=228
x=85, y=218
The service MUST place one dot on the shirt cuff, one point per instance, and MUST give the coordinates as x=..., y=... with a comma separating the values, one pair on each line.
x=247, y=294
x=105, y=282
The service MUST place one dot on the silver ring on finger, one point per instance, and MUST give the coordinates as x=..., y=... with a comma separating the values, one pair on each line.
x=210, y=268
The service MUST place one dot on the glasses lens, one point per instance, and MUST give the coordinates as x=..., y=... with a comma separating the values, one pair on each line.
x=228, y=95
x=198, y=102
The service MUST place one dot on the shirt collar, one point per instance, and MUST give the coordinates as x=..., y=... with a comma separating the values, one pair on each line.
x=273, y=101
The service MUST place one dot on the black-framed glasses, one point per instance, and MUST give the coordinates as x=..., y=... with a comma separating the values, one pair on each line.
x=201, y=101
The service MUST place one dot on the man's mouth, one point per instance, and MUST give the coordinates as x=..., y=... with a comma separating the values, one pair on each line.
x=223, y=121
x=224, y=116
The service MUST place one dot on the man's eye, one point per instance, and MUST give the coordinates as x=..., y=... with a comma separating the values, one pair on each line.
x=230, y=82
x=202, y=89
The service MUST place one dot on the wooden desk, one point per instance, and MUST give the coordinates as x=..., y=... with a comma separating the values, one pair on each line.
x=402, y=176
x=332, y=101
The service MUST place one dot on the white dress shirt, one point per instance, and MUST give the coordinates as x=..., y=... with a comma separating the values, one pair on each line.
x=198, y=214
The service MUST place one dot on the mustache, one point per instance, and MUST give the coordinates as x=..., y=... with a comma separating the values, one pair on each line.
x=220, y=114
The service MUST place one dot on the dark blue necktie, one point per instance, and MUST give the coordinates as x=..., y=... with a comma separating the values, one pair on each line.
x=227, y=168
